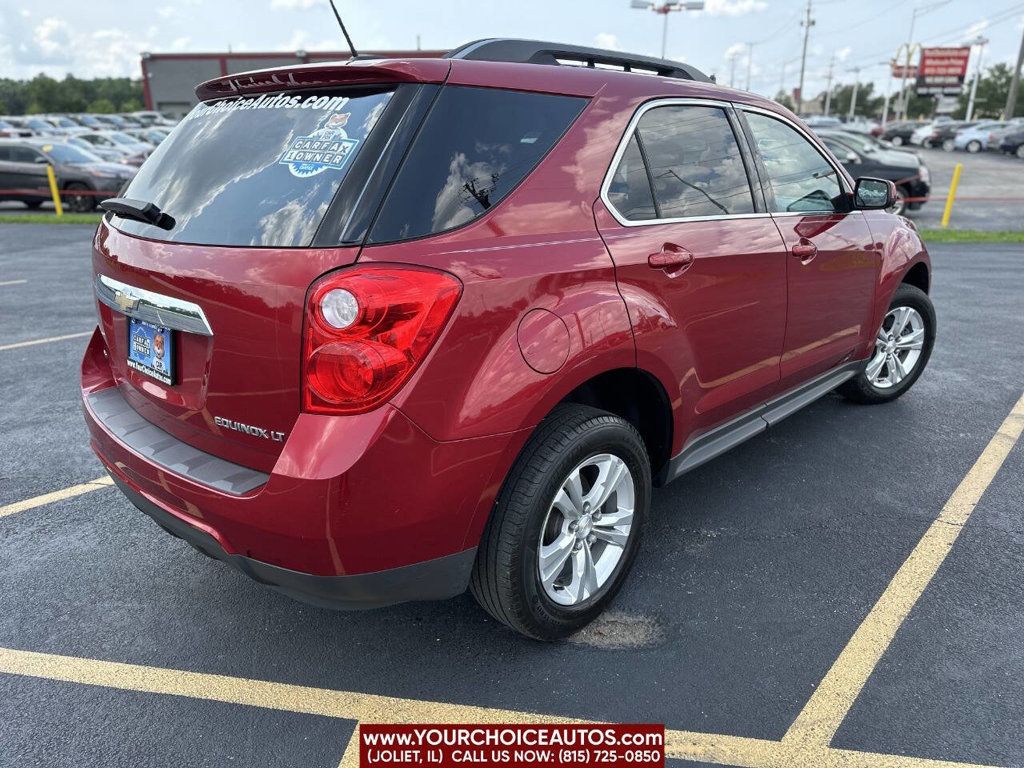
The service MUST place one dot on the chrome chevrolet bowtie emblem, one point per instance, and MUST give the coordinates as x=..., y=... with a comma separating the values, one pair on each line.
x=125, y=300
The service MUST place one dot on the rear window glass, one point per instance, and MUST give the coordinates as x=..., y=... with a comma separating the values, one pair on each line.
x=255, y=171
x=474, y=147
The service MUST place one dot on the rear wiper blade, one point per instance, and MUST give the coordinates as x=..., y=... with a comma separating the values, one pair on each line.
x=138, y=210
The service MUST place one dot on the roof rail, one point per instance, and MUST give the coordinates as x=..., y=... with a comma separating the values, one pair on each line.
x=538, y=52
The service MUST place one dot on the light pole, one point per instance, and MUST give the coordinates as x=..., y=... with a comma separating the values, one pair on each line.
x=750, y=62
x=981, y=42
x=665, y=9
x=888, y=91
x=828, y=88
x=853, y=99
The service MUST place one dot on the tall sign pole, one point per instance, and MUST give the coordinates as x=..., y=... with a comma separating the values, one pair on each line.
x=980, y=42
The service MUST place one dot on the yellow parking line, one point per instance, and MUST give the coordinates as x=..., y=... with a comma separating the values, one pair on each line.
x=49, y=498
x=13, y=282
x=32, y=343
x=373, y=708
x=824, y=712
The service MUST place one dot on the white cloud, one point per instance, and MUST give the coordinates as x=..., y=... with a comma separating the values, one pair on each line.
x=607, y=40
x=51, y=37
x=735, y=51
x=843, y=54
x=292, y=5
x=733, y=7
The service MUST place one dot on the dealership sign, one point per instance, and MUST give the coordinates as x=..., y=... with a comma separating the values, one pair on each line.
x=942, y=71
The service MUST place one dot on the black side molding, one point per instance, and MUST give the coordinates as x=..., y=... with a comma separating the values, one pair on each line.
x=717, y=441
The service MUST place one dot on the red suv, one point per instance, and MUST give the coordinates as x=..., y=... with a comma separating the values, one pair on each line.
x=379, y=331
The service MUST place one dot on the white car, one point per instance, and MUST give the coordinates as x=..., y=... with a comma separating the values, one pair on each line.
x=921, y=134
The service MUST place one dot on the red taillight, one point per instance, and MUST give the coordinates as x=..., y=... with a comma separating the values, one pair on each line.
x=400, y=313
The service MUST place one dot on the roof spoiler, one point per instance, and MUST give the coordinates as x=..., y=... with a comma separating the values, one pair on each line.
x=325, y=75
x=557, y=54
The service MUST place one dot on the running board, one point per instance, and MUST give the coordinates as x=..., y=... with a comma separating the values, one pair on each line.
x=714, y=443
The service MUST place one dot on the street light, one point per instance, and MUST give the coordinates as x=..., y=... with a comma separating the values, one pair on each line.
x=919, y=11
x=665, y=9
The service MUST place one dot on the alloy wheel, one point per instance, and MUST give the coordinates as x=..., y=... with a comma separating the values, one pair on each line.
x=898, y=347
x=586, y=529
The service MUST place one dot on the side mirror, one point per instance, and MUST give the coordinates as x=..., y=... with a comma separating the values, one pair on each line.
x=873, y=194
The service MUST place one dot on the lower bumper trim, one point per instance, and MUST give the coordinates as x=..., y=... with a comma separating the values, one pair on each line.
x=437, y=579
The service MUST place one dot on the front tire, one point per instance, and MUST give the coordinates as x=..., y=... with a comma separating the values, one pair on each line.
x=974, y=146
x=567, y=524
x=1020, y=151
x=897, y=141
x=903, y=346
x=76, y=198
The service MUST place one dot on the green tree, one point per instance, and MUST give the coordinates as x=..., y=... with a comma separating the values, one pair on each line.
x=868, y=103
x=783, y=98
x=102, y=106
x=45, y=94
x=993, y=88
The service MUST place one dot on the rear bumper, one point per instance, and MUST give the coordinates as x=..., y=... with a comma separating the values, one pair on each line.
x=358, y=511
x=433, y=580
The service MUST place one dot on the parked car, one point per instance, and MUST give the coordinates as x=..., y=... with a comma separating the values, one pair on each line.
x=943, y=134
x=444, y=324
x=151, y=136
x=80, y=175
x=975, y=138
x=10, y=130
x=862, y=158
x=862, y=125
x=820, y=121
x=899, y=133
x=134, y=150
x=1012, y=143
x=108, y=154
x=996, y=136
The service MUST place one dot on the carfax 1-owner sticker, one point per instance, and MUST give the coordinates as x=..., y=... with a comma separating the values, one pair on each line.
x=327, y=147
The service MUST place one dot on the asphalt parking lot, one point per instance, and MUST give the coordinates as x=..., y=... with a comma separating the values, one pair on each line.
x=782, y=611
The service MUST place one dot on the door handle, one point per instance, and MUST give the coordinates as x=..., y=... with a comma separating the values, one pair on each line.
x=805, y=251
x=671, y=258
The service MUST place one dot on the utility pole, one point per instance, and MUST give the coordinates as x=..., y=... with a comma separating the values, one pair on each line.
x=920, y=10
x=981, y=42
x=888, y=92
x=750, y=62
x=853, y=99
x=732, y=69
x=807, y=23
x=1011, y=98
x=828, y=88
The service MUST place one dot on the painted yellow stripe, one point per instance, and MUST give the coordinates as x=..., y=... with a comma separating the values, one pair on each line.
x=372, y=708
x=824, y=712
x=49, y=498
x=13, y=282
x=350, y=759
x=50, y=340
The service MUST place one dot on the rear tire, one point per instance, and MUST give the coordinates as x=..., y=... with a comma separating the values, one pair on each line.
x=74, y=199
x=948, y=145
x=897, y=141
x=974, y=146
x=901, y=353
x=1020, y=151
x=33, y=204
x=549, y=477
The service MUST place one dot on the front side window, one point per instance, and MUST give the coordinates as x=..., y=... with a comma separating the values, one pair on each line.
x=255, y=171
x=799, y=176
x=474, y=147
x=695, y=162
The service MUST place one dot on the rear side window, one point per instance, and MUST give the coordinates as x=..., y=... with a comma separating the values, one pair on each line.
x=474, y=147
x=800, y=178
x=255, y=171
x=694, y=167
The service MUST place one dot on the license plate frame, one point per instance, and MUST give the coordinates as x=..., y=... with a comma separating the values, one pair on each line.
x=151, y=350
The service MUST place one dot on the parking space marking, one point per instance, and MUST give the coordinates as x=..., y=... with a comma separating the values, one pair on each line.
x=32, y=343
x=12, y=282
x=375, y=708
x=821, y=717
x=49, y=498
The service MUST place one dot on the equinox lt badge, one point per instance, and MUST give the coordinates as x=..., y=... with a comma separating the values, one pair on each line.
x=248, y=429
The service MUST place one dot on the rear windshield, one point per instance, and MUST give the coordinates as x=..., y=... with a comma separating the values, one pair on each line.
x=474, y=147
x=255, y=171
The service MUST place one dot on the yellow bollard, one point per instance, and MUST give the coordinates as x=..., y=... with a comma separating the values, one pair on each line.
x=952, y=195
x=54, y=191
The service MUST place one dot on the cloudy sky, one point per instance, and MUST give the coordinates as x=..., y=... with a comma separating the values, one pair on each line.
x=104, y=37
